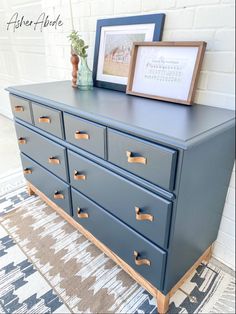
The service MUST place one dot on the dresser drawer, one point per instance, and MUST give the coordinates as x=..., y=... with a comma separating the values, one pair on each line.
x=122, y=240
x=48, y=119
x=21, y=108
x=152, y=162
x=49, y=154
x=86, y=135
x=144, y=211
x=51, y=186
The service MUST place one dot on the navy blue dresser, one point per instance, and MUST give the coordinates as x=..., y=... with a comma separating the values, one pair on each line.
x=145, y=180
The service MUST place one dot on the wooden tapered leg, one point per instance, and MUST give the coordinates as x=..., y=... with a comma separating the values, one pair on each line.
x=162, y=302
x=209, y=254
x=29, y=190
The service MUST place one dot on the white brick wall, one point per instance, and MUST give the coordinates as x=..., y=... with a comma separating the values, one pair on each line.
x=212, y=17
x=124, y=6
x=209, y=20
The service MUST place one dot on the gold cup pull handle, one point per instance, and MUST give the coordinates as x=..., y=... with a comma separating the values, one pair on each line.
x=142, y=217
x=81, y=136
x=44, y=119
x=21, y=140
x=79, y=177
x=18, y=108
x=139, y=261
x=58, y=196
x=27, y=171
x=82, y=215
x=135, y=160
x=53, y=160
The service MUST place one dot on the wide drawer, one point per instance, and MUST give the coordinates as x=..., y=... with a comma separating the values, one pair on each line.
x=49, y=154
x=48, y=119
x=123, y=241
x=21, y=108
x=84, y=134
x=144, y=211
x=51, y=186
x=152, y=162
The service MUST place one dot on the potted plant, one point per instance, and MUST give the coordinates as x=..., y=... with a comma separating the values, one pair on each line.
x=79, y=48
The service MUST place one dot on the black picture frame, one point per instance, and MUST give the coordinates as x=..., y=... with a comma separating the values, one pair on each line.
x=157, y=19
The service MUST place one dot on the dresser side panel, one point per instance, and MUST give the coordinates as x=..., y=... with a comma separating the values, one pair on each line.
x=204, y=182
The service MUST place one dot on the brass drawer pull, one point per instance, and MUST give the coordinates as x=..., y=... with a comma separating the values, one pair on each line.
x=58, y=196
x=136, y=160
x=81, y=136
x=53, y=160
x=82, y=215
x=27, y=171
x=21, y=140
x=19, y=108
x=44, y=120
x=140, y=262
x=79, y=177
x=143, y=217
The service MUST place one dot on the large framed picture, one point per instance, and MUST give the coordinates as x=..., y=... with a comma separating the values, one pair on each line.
x=166, y=70
x=113, y=46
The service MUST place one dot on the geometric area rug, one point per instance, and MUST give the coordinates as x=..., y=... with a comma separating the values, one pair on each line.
x=47, y=266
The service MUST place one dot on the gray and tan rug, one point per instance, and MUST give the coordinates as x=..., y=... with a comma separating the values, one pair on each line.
x=46, y=266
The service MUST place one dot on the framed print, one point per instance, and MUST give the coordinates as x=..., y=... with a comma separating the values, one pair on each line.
x=113, y=46
x=166, y=70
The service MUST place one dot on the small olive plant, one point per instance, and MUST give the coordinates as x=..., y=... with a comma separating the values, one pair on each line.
x=78, y=44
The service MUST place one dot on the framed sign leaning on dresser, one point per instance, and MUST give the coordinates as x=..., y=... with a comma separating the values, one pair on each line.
x=166, y=70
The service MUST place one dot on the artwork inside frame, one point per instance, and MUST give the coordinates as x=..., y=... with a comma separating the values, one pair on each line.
x=113, y=46
x=166, y=71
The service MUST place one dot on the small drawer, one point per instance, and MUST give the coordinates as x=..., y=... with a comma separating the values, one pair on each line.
x=144, y=257
x=21, y=108
x=151, y=162
x=49, y=154
x=86, y=135
x=144, y=211
x=52, y=187
x=48, y=119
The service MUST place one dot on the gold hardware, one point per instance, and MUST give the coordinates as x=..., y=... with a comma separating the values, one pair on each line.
x=82, y=215
x=143, y=217
x=44, y=120
x=81, y=136
x=135, y=160
x=19, y=108
x=140, y=262
x=27, y=171
x=79, y=177
x=53, y=160
x=21, y=140
x=58, y=196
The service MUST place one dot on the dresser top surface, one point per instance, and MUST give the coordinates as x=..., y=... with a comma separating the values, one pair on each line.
x=161, y=119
